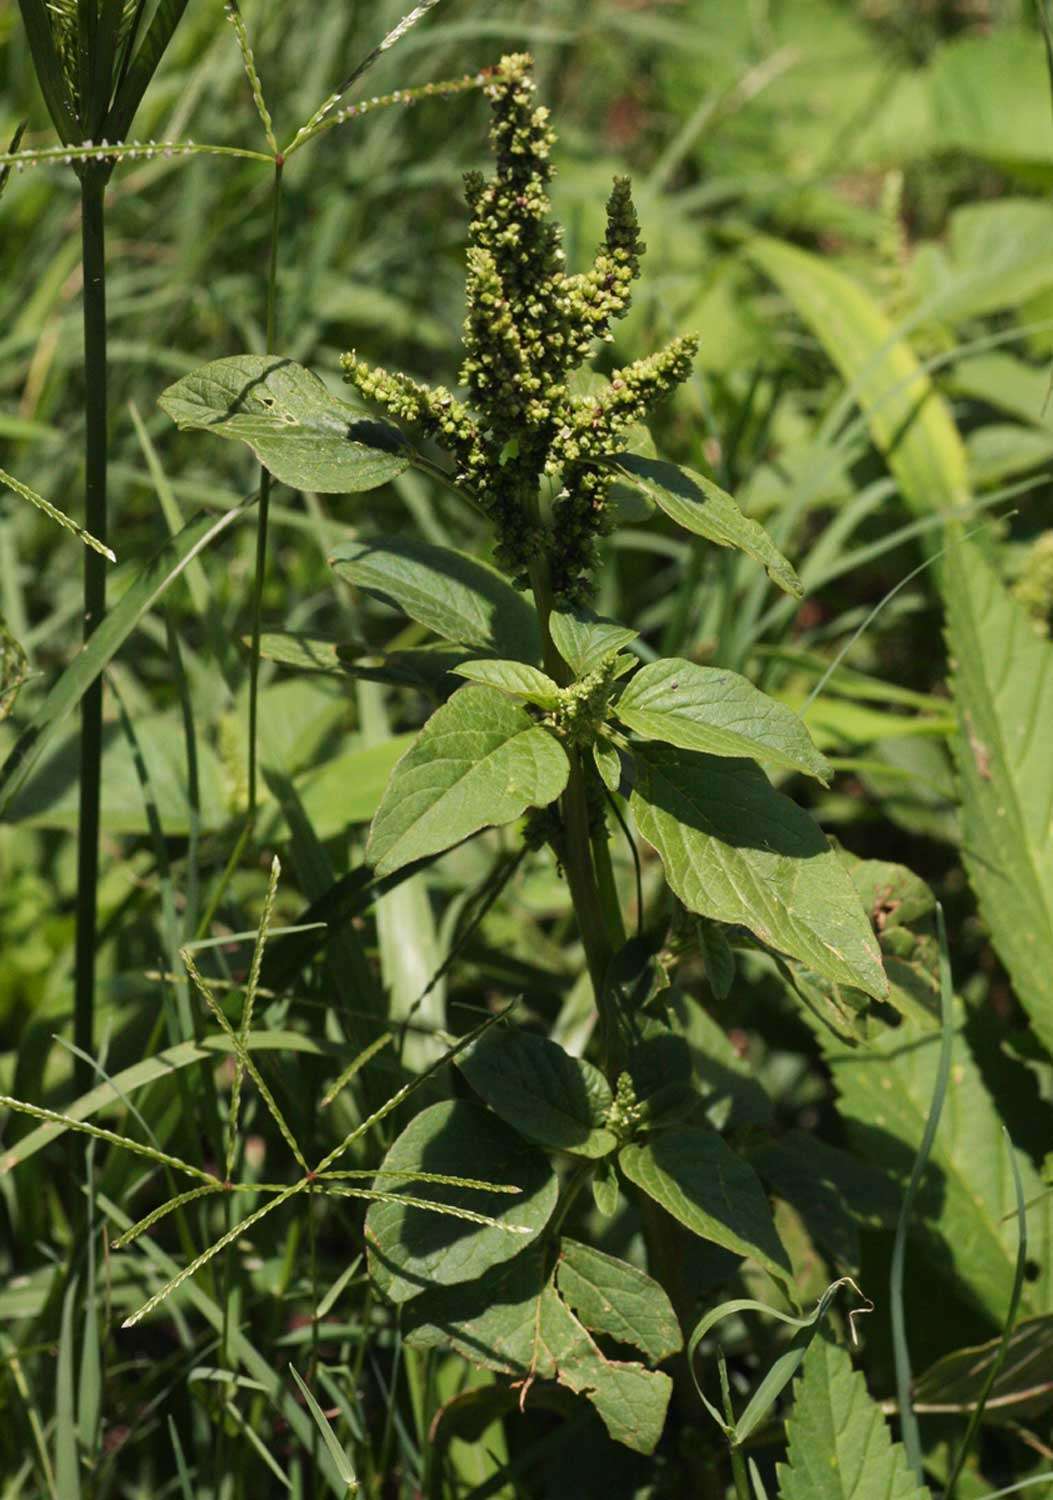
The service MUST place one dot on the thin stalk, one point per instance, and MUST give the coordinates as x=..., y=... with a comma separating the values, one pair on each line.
x=264, y=512
x=93, y=240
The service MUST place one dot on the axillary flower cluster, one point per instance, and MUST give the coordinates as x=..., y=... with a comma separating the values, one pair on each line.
x=529, y=325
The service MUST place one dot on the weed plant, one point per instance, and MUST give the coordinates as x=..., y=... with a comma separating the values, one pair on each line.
x=572, y=1112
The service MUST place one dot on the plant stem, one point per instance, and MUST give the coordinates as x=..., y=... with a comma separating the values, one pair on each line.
x=265, y=500
x=93, y=242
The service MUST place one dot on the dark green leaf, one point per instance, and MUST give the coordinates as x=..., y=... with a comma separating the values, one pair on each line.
x=143, y=67
x=714, y=1193
x=1022, y=1390
x=702, y=507
x=550, y=1097
x=736, y=850
x=48, y=68
x=454, y=595
x=480, y=761
x=306, y=437
x=610, y=1296
x=411, y=1249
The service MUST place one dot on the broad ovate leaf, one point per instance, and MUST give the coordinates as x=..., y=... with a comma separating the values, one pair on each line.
x=411, y=1248
x=718, y=711
x=702, y=507
x=1003, y=686
x=736, y=850
x=540, y=1090
x=839, y=1444
x=479, y=761
x=697, y=1178
x=305, y=436
x=451, y=593
x=583, y=641
x=612, y=1297
x=514, y=1320
x=516, y=678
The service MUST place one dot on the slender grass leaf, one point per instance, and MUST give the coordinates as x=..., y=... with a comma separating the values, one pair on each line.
x=783, y=1368
x=51, y=75
x=1021, y=1390
x=303, y=435
x=702, y=507
x=411, y=1249
x=455, y=595
x=839, y=1444
x=720, y=712
x=909, y=421
x=480, y=761
x=143, y=66
x=698, y=1179
x=1003, y=685
x=737, y=851
x=535, y=1086
x=341, y=1462
x=110, y=635
x=67, y=1454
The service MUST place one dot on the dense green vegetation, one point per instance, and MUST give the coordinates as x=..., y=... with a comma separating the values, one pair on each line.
x=574, y=915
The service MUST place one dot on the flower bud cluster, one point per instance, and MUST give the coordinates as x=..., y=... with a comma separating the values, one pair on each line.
x=528, y=325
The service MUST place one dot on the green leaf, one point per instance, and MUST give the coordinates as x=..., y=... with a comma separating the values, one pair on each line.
x=345, y=790
x=518, y=679
x=967, y=1198
x=583, y=641
x=453, y=594
x=304, y=436
x=700, y=506
x=412, y=666
x=514, y=1320
x=552, y=1098
x=839, y=1444
x=411, y=1249
x=609, y=1296
x=48, y=67
x=111, y=634
x=736, y=850
x=1003, y=685
x=144, y=65
x=909, y=420
x=712, y=709
x=479, y=761
x=1023, y=1387
x=608, y=763
x=698, y=1179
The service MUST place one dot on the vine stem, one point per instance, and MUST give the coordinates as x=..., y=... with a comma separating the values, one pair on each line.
x=264, y=511
x=93, y=251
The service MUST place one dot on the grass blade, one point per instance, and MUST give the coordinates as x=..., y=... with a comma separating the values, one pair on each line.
x=900, y=1348
x=343, y=1464
x=149, y=586
x=67, y=1460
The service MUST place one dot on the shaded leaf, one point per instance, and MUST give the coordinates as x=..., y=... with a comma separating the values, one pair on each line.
x=550, y=1097
x=411, y=1249
x=718, y=711
x=736, y=850
x=702, y=507
x=612, y=1297
x=303, y=435
x=478, y=762
x=1022, y=1389
x=451, y=593
x=698, y=1179
x=514, y=1321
